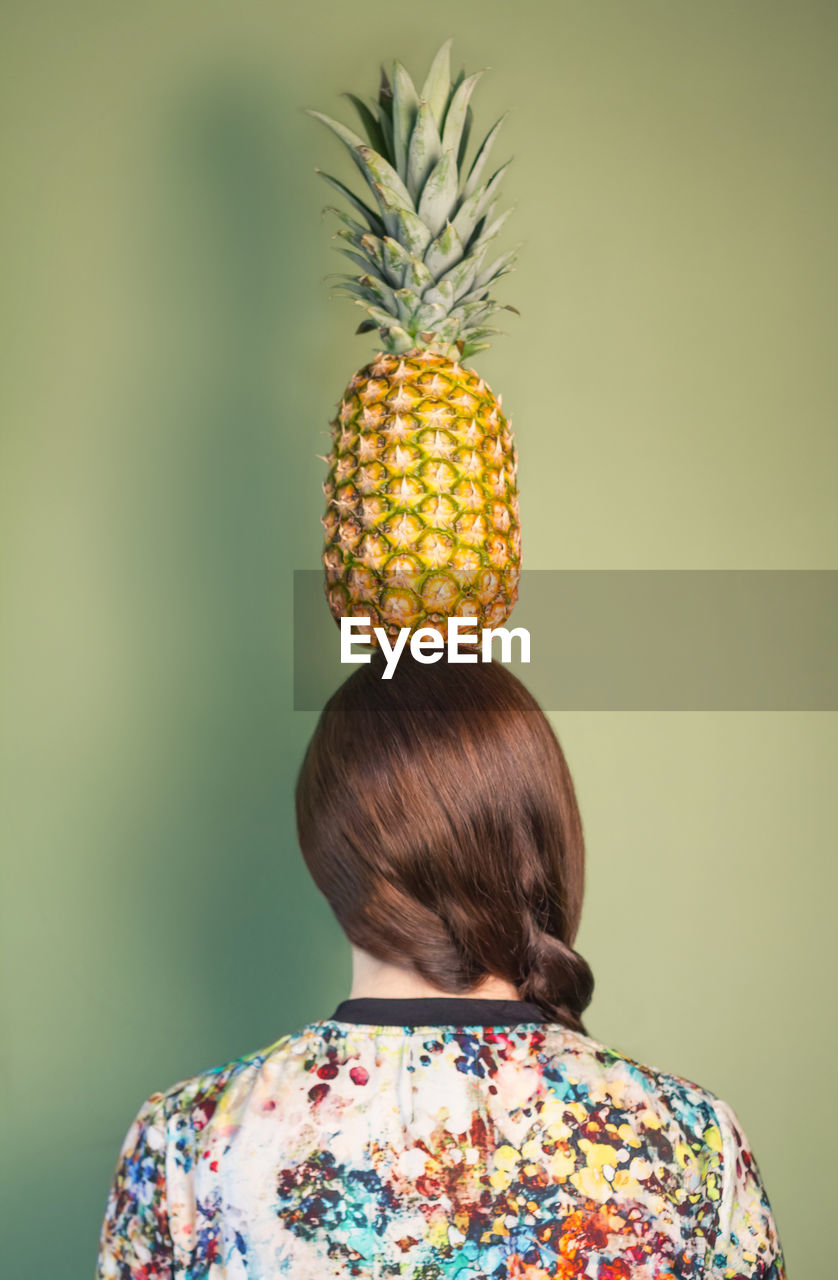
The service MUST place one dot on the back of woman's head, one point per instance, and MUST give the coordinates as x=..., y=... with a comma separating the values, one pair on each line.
x=437, y=815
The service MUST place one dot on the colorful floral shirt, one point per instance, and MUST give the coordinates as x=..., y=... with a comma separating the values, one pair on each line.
x=431, y=1139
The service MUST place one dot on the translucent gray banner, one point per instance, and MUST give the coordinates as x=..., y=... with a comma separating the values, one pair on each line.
x=639, y=640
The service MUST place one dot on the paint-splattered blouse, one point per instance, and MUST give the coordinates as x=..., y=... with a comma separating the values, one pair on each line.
x=437, y=1138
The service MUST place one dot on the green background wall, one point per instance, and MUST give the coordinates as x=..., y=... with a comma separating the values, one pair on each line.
x=169, y=357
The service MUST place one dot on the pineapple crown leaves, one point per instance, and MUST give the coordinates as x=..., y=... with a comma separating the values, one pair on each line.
x=419, y=245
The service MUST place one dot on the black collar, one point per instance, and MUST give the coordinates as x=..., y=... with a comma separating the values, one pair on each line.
x=431, y=1011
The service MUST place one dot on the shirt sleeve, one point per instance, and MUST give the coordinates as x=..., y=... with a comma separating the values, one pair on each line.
x=747, y=1246
x=134, y=1241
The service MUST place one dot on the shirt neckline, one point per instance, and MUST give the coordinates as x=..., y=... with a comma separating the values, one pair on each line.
x=423, y=1011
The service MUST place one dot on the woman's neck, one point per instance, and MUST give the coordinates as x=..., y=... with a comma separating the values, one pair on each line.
x=372, y=977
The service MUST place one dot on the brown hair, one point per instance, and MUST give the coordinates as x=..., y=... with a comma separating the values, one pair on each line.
x=437, y=815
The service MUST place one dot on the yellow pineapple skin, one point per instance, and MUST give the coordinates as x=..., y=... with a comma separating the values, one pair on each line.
x=422, y=520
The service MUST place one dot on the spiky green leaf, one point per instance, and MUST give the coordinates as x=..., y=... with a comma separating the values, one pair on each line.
x=356, y=228
x=444, y=251
x=488, y=231
x=374, y=220
x=377, y=171
x=349, y=237
x=456, y=114
x=481, y=292
x=417, y=277
x=502, y=264
x=385, y=97
x=349, y=285
x=370, y=246
x=439, y=194
x=482, y=156
x=405, y=107
x=404, y=225
x=413, y=233
x=363, y=262
x=397, y=338
x=369, y=121
x=388, y=204
x=437, y=84
x=448, y=330
x=473, y=312
x=406, y=301
x=423, y=150
x=474, y=208
x=382, y=293
x=459, y=277
x=372, y=165
x=386, y=126
x=441, y=294
x=464, y=138
x=396, y=258
x=483, y=332
x=378, y=313
x=428, y=315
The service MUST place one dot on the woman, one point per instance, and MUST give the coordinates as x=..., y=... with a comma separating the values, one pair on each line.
x=452, y=1117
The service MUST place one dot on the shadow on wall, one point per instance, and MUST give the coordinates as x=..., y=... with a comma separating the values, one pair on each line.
x=202, y=509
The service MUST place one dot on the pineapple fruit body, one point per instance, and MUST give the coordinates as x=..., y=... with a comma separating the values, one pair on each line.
x=422, y=518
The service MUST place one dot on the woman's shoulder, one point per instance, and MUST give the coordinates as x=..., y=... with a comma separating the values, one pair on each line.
x=612, y=1075
x=196, y=1097
x=580, y=1068
x=608, y=1056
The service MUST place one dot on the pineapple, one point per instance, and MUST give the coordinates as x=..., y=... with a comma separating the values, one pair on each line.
x=422, y=519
